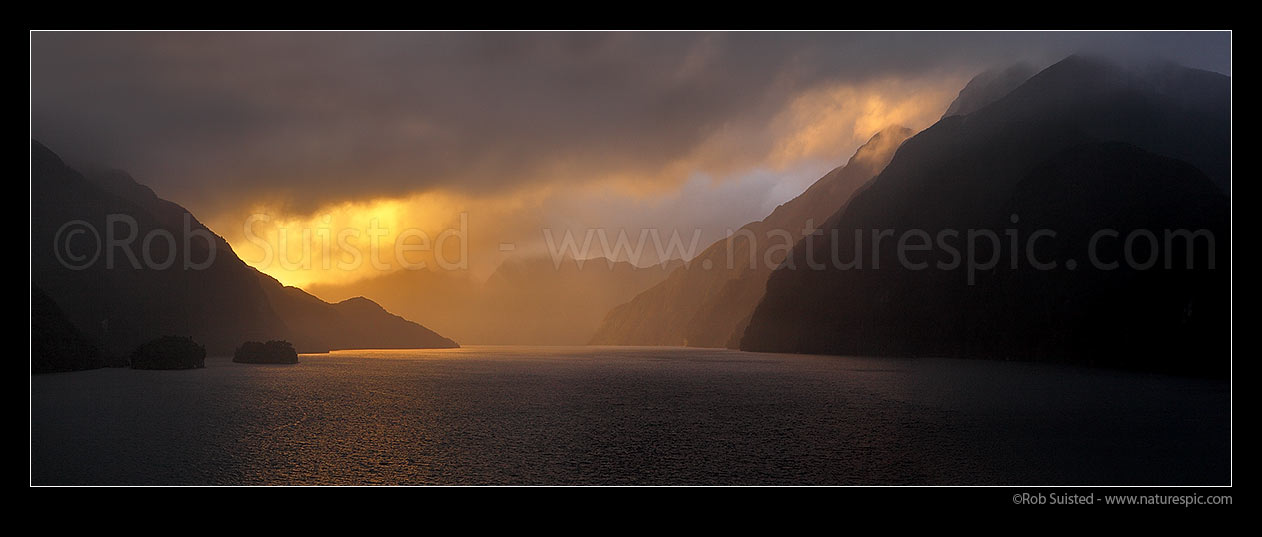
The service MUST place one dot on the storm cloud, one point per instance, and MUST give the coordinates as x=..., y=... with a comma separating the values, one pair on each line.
x=322, y=116
x=302, y=120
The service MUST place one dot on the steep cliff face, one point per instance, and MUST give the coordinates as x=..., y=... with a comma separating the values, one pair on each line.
x=1081, y=147
x=705, y=303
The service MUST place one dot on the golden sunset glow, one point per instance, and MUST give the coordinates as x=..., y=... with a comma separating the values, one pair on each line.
x=822, y=126
x=817, y=123
x=347, y=241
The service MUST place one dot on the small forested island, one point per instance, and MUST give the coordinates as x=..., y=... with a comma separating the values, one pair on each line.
x=169, y=352
x=272, y=352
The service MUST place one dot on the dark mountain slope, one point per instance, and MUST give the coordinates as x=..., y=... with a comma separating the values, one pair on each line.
x=1083, y=145
x=56, y=345
x=122, y=303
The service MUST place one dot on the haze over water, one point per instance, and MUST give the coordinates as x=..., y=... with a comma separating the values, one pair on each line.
x=626, y=415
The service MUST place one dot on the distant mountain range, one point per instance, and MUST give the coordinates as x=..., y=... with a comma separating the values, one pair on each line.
x=119, y=304
x=527, y=300
x=708, y=302
x=1083, y=146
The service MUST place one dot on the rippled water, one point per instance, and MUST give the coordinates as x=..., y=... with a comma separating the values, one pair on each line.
x=603, y=415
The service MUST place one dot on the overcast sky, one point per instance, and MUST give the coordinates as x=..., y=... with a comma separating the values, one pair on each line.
x=528, y=128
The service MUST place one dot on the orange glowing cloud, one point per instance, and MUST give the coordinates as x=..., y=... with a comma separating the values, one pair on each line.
x=340, y=243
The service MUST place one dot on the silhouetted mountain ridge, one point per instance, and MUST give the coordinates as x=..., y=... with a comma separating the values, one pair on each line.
x=124, y=304
x=357, y=323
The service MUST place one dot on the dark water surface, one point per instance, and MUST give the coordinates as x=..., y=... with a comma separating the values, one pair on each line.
x=620, y=415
